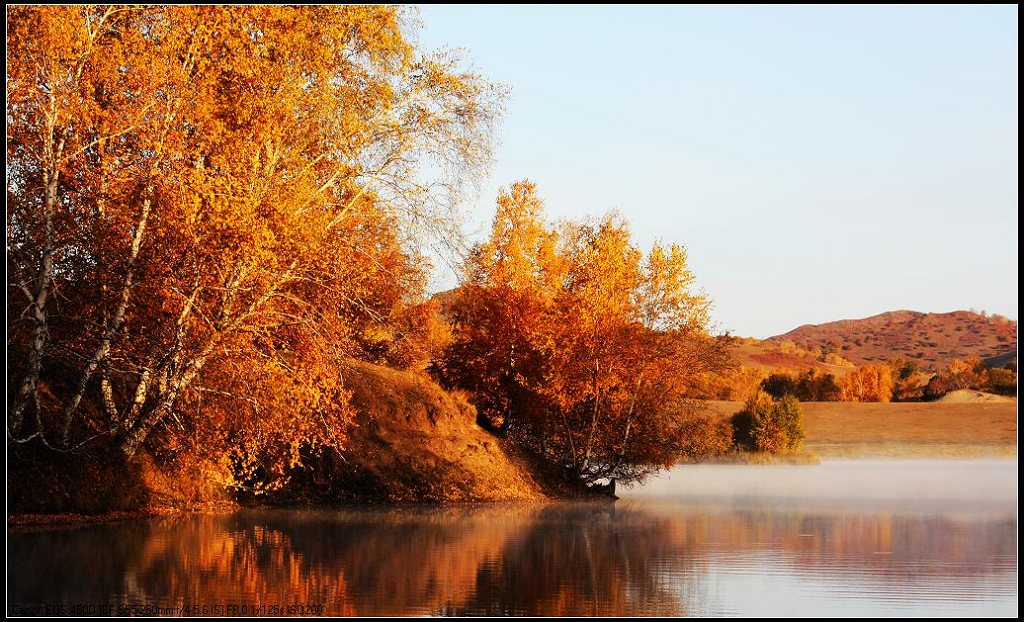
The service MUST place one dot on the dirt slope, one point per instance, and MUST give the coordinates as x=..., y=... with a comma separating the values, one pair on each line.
x=970, y=396
x=414, y=442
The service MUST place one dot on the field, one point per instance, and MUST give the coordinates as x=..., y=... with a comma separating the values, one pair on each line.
x=908, y=429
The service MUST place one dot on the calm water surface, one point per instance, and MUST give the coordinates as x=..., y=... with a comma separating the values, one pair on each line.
x=845, y=538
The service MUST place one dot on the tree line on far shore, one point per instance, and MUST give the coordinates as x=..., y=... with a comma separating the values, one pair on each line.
x=899, y=380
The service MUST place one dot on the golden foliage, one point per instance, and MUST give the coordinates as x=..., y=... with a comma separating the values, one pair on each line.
x=870, y=383
x=576, y=344
x=735, y=383
x=222, y=198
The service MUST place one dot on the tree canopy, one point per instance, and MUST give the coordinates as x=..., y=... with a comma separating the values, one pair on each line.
x=578, y=345
x=208, y=205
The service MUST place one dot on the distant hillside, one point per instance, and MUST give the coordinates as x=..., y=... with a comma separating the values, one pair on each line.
x=787, y=357
x=932, y=339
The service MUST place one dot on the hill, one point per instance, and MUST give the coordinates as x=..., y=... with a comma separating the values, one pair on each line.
x=932, y=339
x=781, y=356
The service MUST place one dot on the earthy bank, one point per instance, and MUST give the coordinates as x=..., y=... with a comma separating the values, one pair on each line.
x=412, y=442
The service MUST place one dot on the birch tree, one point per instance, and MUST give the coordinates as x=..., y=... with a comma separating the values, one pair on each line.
x=206, y=203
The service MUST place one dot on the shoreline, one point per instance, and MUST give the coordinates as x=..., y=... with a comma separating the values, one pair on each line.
x=65, y=519
x=902, y=452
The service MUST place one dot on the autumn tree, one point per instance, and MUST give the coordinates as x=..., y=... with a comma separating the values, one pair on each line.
x=817, y=386
x=869, y=383
x=967, y=373
x=903, y=368
x=704, y=436
x=779, y=384
x=209, y=207
x=577, y=345
x=970, y=373
x=733, y=383
x=1002, y=380
x=908, y=380
x=500, y=310
x=936, y=387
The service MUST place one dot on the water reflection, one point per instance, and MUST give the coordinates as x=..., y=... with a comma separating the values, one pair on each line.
x=641, y=556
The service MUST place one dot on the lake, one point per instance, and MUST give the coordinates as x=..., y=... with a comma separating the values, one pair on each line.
x=867, y=537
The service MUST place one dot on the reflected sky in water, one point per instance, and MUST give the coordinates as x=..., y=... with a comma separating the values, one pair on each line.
x=844, y=538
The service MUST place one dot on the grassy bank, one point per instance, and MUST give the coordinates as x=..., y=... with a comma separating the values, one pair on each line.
x=907, y=429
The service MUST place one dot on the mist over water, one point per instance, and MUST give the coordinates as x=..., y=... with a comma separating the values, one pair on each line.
x=848, y=482
x=843, y=538
x=849, y=537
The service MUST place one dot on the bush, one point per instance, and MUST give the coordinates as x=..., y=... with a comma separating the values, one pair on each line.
x=937, y=387
x=764, y=424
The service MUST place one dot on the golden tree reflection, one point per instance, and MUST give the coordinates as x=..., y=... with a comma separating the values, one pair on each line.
x=553, y=559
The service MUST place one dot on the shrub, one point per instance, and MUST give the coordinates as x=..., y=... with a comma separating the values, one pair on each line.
x=937, y=387
x=834, y=359
x=768, y=425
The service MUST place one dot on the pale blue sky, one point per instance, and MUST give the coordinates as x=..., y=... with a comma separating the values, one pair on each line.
x=819, y=163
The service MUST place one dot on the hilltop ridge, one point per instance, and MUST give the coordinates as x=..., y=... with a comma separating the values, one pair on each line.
x=932, y=339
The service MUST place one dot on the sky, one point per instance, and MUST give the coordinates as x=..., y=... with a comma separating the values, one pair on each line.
x=819, y=163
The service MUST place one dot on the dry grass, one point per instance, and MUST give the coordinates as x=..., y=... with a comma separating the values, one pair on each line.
x=413, y=442
x=769, y=358
x=917, y=429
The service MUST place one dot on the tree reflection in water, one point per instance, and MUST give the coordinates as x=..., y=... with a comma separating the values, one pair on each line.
x=554, y=559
